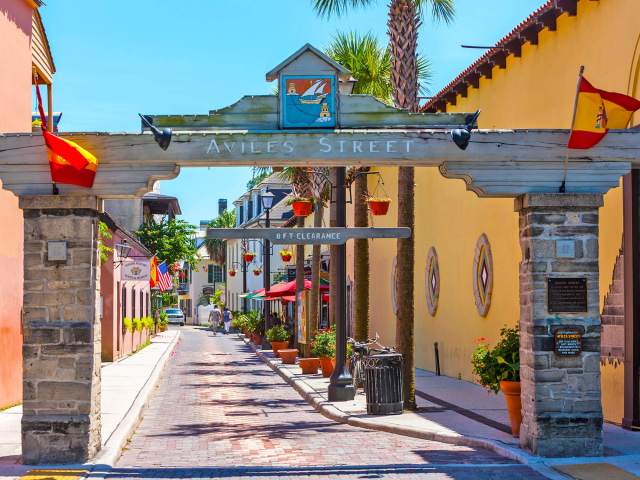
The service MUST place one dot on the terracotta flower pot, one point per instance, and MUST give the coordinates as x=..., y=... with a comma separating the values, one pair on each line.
x=276, y=346
x=257, y=339
x=288, y=355
x=326, y=364
x=309, y=366
x=379, y=206
x=302, y=208
x=511, y=392
x=286, y=257
x=248, y=257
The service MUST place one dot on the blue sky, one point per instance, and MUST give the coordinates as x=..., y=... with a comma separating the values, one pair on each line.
x=115, y=58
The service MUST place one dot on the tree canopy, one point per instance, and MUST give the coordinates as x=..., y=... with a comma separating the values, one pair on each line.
x=216, y=247
x=170, y=240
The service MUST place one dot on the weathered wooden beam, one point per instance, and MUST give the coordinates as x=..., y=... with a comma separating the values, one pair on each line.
x=500, y=58
x=130, y=163
x=531, y=32
x=308, y=236
x=473, y=79
x=515, y=46
x=451, y=97
x=461, y=89
x=548, y=19
x=568, y=6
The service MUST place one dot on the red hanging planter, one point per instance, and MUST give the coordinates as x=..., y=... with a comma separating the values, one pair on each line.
x=379, y=206
x=257, y=271
x=302, y=207
x=232, y=273
x=249, y=256
x=286, y=255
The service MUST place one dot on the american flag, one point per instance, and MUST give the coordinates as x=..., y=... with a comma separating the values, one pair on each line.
x=165, y=282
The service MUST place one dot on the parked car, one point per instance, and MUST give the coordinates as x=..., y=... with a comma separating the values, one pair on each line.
x=175, y=315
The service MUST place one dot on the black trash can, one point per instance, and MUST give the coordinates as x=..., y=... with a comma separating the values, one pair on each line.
x=383, y=383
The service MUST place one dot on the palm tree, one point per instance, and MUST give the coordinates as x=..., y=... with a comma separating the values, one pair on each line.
x=403, y=21
x=370, y=64
x=217, y=248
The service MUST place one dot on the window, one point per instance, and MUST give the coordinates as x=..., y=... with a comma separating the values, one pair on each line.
x=124, y=301
x=134, y=309
x=214, y=274
x=142, y=304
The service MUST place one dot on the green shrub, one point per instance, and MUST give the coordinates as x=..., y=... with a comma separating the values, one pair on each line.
x=147, y=322
x=277, y=333
x=255, y=323
x=164, y=318
x=324, y=344
x=500, y=363
x=137, y=324
x=127, y=323
x=239, y=321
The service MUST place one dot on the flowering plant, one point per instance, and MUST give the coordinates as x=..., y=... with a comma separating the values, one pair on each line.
x=502, y=362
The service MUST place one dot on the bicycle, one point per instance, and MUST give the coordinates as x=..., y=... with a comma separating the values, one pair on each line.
x=361, y=350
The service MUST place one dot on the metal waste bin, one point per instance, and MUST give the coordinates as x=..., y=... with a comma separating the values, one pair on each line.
x=383, y=383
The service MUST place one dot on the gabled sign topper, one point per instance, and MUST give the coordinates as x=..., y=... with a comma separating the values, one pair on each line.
x=308, y=86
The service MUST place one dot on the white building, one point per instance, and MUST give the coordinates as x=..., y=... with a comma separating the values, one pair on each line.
x=250, y=214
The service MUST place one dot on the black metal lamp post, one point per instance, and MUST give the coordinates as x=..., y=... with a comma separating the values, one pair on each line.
x=267, y=203
x=341, y=384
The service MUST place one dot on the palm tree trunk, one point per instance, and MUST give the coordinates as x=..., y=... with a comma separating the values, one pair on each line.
x=300, y=292
x=403, y=26
x=314, y=295
x=361, y=259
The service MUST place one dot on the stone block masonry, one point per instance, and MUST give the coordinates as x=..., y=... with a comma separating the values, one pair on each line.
x=561, y=405
x=61, y=351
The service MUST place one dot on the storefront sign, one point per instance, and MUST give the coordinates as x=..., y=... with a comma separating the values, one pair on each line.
x=567, y=295
x=136, y=270
x=568, y=342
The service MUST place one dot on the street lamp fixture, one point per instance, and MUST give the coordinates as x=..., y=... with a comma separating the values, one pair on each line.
x=462, y=136
x=123, y=249
x=267, y=200
x=162, y=137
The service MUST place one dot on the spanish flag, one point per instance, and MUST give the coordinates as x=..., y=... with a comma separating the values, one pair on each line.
x=69, y=162
x=153, y=272
x=596, y=112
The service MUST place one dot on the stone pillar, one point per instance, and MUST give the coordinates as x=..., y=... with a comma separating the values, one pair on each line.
x=561, y=407
x=61, y=351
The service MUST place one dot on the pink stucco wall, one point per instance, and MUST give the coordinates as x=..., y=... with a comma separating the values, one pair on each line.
x=15, y=116
x=115, y=343
x=15, y=66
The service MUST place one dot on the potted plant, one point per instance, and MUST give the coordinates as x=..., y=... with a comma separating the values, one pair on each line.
x=498, y=369
x=302, y=206
x=249, y=256
x=255, y=325
x=278, y=337
x=286, y=255
x=378, y=205
x=232, y=272
x=257, y=271
x=324, y=347
x=289, y=355
x=163, y=322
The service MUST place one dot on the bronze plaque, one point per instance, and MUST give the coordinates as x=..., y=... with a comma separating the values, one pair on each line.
x=567, y=295
x=568, y=342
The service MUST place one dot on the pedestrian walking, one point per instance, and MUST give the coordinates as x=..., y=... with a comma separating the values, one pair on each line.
x=227, y=319
x=215, y=317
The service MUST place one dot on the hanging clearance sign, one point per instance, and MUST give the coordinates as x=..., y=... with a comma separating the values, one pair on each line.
x=308, y=236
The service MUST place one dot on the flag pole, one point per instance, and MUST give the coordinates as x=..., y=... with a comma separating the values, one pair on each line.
x=563, y=186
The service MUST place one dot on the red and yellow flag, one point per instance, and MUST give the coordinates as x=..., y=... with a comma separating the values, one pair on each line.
x=596, y=112
x=69, y=162
x=153, y=272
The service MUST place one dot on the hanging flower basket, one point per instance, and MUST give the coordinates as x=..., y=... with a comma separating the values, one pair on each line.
x=302, y=207
x=286, y=255
x=379, y=206
x=257, y=271
x=249, y=256
x=232, y=273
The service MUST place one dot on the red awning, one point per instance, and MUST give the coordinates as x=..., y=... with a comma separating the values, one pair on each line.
x=281, y=289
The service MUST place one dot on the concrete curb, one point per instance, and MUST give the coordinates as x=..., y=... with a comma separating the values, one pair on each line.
x=333, y=413
x=112, y=449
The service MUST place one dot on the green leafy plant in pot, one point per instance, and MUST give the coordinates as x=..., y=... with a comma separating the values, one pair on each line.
x=278, y=336
x=498, y=369
x=324, y=347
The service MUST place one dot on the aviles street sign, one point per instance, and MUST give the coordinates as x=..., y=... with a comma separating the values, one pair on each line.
x=308, y=236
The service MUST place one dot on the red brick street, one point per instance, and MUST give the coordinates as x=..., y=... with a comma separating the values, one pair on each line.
x=219, y=412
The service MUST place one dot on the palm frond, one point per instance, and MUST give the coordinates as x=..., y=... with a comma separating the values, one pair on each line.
x=327, y=8
x=441, y=10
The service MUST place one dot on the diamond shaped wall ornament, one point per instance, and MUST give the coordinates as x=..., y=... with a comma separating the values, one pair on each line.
x=432, y=281
x=483, y=275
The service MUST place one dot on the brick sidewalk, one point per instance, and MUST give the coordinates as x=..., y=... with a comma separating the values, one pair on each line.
x=221, y=413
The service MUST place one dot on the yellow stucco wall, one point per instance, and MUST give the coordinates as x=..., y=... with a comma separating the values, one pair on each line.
x=534, y=91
